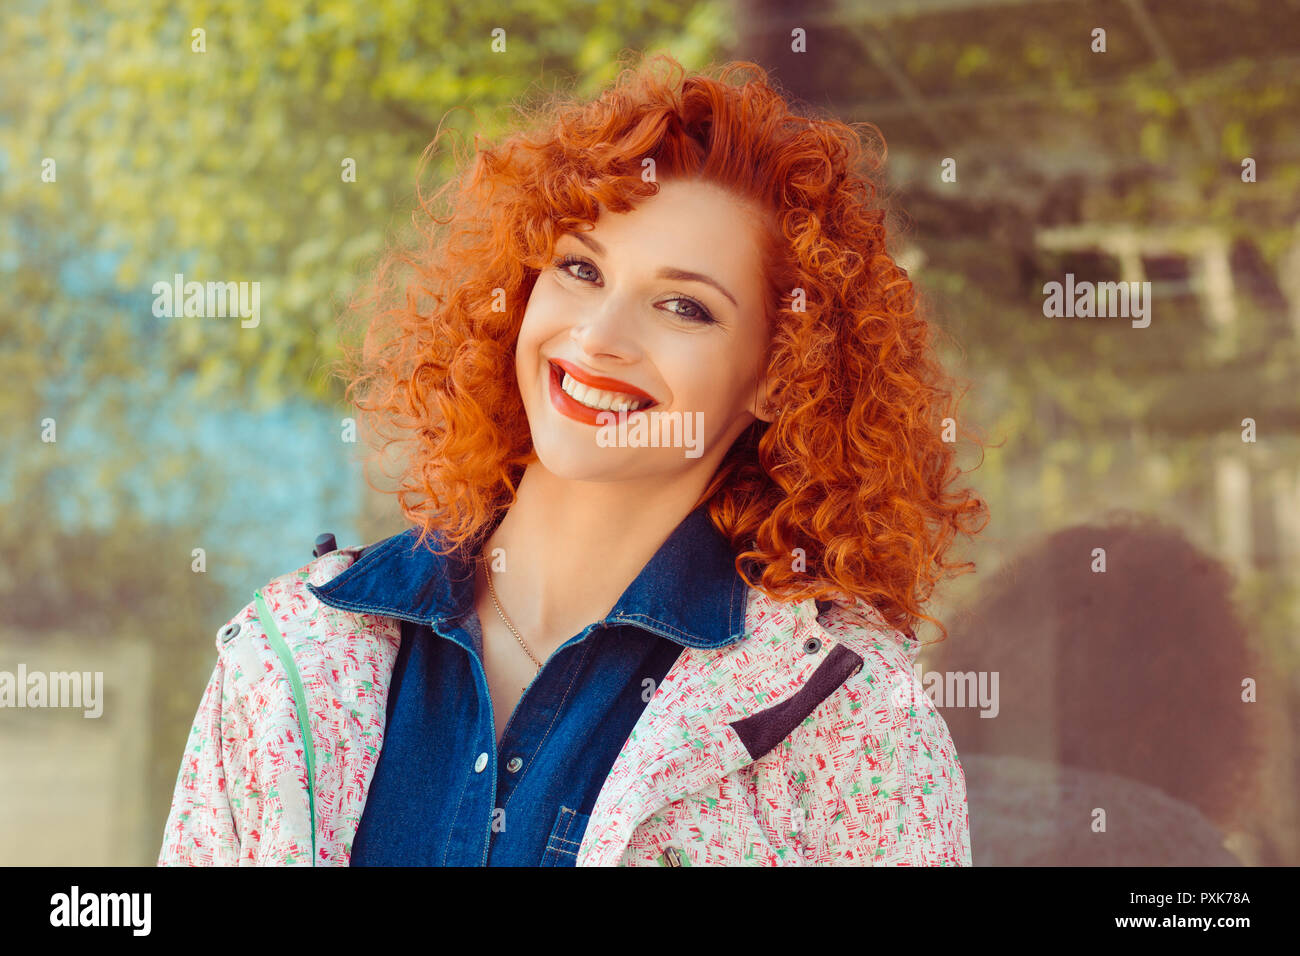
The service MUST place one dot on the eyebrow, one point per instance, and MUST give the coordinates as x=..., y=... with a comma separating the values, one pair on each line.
x=667, y=272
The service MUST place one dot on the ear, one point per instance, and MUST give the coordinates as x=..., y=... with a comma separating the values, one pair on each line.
x=765, y=408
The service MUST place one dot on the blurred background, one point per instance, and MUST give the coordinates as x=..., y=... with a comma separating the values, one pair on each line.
x=193, y=459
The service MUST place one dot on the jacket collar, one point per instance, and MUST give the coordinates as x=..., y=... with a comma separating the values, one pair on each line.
x=689, y=591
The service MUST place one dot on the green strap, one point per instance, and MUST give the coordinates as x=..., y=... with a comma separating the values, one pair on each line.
x=300, y=704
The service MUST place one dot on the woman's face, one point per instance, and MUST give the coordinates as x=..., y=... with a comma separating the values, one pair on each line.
x=625, y=318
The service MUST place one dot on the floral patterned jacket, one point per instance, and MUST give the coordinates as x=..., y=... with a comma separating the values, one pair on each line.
x=809, y=742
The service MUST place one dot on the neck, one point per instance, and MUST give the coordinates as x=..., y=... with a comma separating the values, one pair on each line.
x=570, y=549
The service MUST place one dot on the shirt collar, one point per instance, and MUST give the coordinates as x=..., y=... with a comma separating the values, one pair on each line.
x=688, y=592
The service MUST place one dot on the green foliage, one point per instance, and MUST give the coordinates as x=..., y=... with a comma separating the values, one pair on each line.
x=226, y=165
x=223, y=165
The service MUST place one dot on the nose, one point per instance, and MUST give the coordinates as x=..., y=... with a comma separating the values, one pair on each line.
x=608, y=331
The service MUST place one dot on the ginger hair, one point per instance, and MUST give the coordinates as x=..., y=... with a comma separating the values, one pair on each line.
x=855, y=471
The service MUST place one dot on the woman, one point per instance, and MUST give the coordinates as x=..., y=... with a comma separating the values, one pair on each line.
x=680, y=491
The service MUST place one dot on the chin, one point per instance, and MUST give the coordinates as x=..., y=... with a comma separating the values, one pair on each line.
x=575, y=467
x=567, y=456
x=561, y=457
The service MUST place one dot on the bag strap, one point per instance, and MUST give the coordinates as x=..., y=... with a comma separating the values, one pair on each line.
x=300, y=705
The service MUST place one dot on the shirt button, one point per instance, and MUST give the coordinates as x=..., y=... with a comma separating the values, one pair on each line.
x=514, y=764
x=480, y=763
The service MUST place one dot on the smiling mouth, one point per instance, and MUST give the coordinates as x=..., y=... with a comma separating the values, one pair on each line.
x=596, y=399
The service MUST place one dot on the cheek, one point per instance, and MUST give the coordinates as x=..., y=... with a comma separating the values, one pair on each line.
x=726, y=394
x=540, y=318
x=529, y=329
x=707, y=382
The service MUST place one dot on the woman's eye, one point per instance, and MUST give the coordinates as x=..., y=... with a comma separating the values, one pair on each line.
x=694, y=313
x=698, y=314
x=564, y=264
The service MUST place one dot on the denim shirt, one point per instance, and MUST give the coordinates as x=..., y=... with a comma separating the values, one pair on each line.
x=443, y=794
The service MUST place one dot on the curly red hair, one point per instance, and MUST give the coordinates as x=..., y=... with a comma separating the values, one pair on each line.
x=855, y=471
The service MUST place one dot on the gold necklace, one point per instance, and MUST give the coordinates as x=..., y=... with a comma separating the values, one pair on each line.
x=497, y=604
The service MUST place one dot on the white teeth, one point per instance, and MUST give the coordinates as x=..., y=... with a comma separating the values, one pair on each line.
x=595, y=398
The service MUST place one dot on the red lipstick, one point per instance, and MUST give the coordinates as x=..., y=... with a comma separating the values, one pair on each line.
x=570, y=407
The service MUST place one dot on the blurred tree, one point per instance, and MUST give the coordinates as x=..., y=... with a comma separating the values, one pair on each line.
x=213, y=141
x=130, y=142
